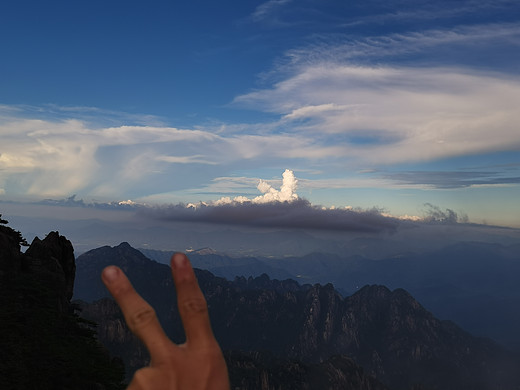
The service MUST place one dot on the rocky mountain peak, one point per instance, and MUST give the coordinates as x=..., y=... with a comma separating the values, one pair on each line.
x=54, y=255
x=44, y=344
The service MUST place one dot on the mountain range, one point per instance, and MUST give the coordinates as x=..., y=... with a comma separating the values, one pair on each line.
x=283, y=334
x=475, y=284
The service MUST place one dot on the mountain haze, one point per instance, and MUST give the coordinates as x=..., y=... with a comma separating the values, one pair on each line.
x=474, y=284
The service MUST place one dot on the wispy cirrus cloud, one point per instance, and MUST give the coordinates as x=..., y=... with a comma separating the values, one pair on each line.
x=195, y=159
x=450, y=46
x=413, y=11
x=453, y=179
x=407, y=113
x=95, y=117
x=268, y=9
x=312, y=111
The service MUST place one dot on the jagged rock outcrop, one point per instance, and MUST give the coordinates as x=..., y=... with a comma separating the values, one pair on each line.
x=387, y=332
x=247, y=370
x=53, y=259
x=44, y=344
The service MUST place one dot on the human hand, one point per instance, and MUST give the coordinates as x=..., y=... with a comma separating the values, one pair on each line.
x=198, y=364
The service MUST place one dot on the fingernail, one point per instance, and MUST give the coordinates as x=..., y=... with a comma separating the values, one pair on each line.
x=111, y=273
x=179, y=261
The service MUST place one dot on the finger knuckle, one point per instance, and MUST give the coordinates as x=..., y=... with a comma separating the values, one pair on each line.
x=195, y=306
x=141, y=318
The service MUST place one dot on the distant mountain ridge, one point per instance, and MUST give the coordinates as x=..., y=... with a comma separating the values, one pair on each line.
x=387, y=332
x=474, y=284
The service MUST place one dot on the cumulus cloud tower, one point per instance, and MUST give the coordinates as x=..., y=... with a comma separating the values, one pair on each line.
x=287, y=192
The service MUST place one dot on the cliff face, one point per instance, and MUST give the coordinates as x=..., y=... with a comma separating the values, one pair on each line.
x=44, y=344
x=386, y=332
x=262, y=371
x=114, y=334
x=53, y=260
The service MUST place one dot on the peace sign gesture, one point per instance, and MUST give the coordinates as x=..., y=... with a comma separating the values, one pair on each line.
x=198, y=364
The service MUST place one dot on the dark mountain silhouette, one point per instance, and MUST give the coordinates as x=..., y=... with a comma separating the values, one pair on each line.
x=307, y=329
x=247, y=370
x=43, y=343
x=263, y=371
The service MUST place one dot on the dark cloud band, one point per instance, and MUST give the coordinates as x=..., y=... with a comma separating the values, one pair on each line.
x=298, y=214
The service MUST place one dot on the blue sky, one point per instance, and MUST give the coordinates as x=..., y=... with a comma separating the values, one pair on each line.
x=394, y=104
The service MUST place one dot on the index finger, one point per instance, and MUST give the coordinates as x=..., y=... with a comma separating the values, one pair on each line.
x=139, y=315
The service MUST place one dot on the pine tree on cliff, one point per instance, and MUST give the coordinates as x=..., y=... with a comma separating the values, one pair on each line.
x=13, y=233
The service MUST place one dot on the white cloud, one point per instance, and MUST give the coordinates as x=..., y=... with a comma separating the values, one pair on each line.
x=132, y=135
x=61, y=157
x=286, y=193
x=390, y=115
x=56, y=158
x=44, y=158
x=337, y=115
x=332, y=115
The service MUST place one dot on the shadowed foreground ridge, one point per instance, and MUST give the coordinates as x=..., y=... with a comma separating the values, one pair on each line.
x=315, y=338
x=44, y=344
